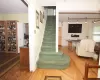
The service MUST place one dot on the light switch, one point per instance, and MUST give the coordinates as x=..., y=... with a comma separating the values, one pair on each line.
x=34, y=31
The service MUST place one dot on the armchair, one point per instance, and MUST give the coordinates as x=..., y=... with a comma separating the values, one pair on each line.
x=86, y=49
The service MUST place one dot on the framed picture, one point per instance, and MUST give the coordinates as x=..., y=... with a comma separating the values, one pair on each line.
x=37, y=19
x=41, y=17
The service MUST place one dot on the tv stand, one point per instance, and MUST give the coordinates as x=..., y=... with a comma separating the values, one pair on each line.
x=70, y=42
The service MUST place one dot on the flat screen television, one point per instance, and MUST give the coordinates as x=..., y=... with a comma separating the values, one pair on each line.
x=74, y=28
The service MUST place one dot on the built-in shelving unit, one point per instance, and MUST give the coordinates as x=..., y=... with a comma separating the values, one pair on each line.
x=2, y=36
x=12, y=36
x=8, y=36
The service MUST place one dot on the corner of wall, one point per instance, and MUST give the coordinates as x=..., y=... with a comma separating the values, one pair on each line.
x=41, y=31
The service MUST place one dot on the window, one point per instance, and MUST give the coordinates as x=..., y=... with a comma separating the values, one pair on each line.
x=54, y=11
x=51, y=12
x=96, y=33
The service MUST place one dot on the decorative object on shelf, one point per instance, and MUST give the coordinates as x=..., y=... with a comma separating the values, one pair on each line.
x=37, y=19
x=2, y=36
x=41, y=17
x=11, y=36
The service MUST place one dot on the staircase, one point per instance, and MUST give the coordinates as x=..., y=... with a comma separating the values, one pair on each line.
x=48, y=57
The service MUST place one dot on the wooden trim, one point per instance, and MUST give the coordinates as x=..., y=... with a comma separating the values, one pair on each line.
x=79, y=12
x=46, y=77
x=87, y=66
x=4, y=35
x=83, y=18
x=16, y=36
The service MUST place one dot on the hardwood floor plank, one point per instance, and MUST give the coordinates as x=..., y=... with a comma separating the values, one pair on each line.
x=75, y=71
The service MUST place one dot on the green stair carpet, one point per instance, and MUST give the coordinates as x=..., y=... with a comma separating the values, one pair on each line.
x=48, y=57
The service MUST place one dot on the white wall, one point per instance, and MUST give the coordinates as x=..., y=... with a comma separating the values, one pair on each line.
x=35, y=35
x=22, y=17
x=40, y=32
x=20, y=33
x=86, y=31
x=78, y=6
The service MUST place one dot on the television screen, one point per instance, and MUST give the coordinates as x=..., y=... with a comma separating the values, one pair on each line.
x=74, y=28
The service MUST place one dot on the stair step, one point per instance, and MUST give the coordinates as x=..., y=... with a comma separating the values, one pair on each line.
x=51, y=53
x=49, y=35
x=53, y=61
x=50, y=28
x=50, y=32
x=53, y=57
x=54, y=29
x=51, y=25
x=49, y=66
x=49, y=44
x=48, y=49
x=49, y=39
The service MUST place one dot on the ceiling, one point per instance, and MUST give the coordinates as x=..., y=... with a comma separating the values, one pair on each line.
x=53, y=2
x=64, y=17
x=12, y=6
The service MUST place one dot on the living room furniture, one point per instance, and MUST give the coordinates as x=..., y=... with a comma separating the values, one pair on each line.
x=86, y=48
x=11, y=36
x=72, y=44
x=87, y=67
x=3, y=42
x=24, y=57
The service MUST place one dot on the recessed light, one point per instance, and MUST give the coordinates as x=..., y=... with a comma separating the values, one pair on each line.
x=85, y=22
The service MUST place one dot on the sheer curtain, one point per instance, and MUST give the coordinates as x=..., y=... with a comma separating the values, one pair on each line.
x=96, y=32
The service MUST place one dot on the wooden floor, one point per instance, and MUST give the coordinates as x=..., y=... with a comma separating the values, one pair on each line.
x=4, y=57
x=74, y=72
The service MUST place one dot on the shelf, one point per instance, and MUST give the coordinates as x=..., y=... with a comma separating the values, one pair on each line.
x=11, y=36
x=2, y=29
x=8, y=35
x=2, y=36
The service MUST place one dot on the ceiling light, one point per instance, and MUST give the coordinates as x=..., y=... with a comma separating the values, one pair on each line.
x=94, y=22
x=68, y=19
x=77, y=21
x=86, y=20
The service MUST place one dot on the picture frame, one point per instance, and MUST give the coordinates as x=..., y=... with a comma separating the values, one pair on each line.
x=41, y=17
x=37, y=19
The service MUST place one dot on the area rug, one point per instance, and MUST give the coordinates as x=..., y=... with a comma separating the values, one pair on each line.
x=53, y=78
x=4, y=67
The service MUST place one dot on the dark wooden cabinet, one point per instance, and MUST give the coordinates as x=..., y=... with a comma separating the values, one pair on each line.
x=24, y=57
